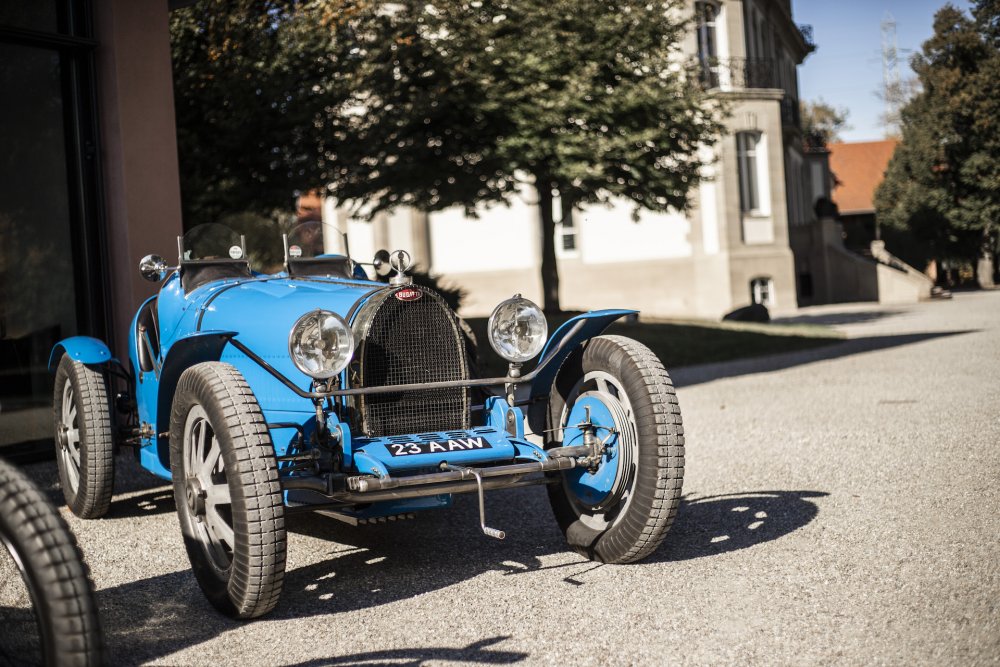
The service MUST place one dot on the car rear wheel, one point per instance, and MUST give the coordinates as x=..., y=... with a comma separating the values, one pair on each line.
x=228, y=495
x=85, y=449
x=619, y=508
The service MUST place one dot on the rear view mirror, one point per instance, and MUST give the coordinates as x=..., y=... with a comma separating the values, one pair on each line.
x=153, y=268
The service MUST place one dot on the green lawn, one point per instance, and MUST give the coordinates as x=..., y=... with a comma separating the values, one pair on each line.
x=687, y=342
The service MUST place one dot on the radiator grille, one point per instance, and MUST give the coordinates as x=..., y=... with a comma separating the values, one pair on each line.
x=406, y=342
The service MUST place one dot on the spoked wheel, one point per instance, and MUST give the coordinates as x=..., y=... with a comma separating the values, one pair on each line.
x=206, y=489
x=615, y=392
x=59, y=624
x=226, y=486
x=84, y=445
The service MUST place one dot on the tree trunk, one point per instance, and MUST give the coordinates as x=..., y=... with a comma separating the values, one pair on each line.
x=547, y=228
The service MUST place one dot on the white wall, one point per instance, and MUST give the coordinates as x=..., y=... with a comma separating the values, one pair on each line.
x=608, y=234
x=502, y=237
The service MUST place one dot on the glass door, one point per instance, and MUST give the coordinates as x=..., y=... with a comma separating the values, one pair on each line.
x=48, y=216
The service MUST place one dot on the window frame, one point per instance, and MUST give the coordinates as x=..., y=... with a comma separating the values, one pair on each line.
x=762, y=291
x=748, y=158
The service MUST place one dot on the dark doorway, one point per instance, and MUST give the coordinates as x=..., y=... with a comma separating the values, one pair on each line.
x=50, y=245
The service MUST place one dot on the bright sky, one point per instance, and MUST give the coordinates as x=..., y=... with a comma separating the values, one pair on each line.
x=846, y=68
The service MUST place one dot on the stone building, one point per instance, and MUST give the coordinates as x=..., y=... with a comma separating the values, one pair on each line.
x=729, y=250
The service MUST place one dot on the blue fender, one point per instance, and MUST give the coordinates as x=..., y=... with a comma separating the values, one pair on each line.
x=594, y=323
x=84, y=349
x=183, y=353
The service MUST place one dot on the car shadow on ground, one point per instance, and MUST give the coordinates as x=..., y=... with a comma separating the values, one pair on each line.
x=686, y=376
x=363, y=567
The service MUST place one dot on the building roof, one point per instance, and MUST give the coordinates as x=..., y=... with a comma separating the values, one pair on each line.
x=859, y=168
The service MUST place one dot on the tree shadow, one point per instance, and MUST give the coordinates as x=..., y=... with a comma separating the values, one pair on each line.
x=687, y=376
x=838, y=318
x=713, y=525
x=370, y=566
x=477, y=652
x=159, y=500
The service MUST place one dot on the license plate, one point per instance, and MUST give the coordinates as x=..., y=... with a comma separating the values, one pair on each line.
x=435, y=447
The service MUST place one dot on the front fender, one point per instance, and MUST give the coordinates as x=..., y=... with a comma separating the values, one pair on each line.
x=84, y=349
x=594, y=323
x=183, y=353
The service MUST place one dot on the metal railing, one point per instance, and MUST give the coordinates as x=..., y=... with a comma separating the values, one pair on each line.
x=728, y=73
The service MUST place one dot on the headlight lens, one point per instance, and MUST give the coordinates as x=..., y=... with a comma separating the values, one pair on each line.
x=321, y=344
x=518, y=329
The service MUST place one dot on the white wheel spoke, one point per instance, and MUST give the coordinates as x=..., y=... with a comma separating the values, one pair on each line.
x=72, y=413
x=73, y=437
x=72, y=469
x=221, y=531
x=198, y=450
x=218, y=494
x=208, y=463
x=74, y=453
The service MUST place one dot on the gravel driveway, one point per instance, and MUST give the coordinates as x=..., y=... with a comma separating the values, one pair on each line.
x=841, y=507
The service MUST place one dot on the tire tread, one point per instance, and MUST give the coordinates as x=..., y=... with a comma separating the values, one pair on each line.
x=59, y=580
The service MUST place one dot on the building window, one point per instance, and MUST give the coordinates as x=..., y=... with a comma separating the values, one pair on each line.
x=762, y=291
x=566, y=241
x=747, y=144
x=706, y=14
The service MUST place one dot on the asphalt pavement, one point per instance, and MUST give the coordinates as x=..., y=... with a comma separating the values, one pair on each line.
x=841, y=506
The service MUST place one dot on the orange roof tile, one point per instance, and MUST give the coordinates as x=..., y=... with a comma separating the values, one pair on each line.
x=859, y=168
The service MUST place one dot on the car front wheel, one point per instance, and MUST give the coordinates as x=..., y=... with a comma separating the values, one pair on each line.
x=615, y=394
x=226, y=486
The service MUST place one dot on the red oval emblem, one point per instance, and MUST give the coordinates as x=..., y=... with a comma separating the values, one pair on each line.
x=408, y=294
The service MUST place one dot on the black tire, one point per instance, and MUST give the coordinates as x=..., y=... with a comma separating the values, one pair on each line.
x=85, y=449
x=58, y=582
x=633, y=519
x=232, y=516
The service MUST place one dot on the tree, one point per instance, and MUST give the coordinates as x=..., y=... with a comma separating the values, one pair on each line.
x=436, y=104
x=583, y=99
x=254, y=84
x=822, y=123
x=943, y=182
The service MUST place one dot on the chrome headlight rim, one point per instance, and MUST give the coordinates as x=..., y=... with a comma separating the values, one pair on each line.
x=345, y=329
x=521, y=301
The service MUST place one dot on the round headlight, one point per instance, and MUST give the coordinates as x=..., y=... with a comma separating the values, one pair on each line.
x=517, y=329
x=321, y=344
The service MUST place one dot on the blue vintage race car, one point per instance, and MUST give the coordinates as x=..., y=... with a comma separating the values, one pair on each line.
x=310, y=386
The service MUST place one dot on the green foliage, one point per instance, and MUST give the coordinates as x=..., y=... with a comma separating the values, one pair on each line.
x=822, y=123
x=254, y=88
x=585, y=99
x=436, y=104
x=943, y=183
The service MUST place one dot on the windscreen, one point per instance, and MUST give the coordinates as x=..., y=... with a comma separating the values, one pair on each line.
x=211, y=241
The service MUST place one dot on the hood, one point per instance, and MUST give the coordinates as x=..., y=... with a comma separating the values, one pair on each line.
x=262, y=309
x=262, y=313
